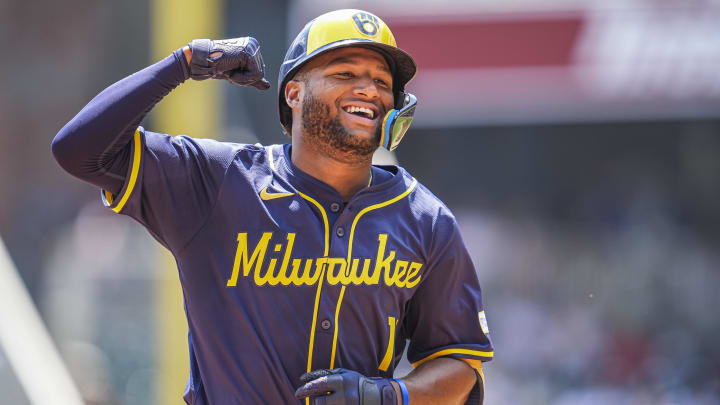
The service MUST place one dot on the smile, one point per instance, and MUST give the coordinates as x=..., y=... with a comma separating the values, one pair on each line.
x=361, y=111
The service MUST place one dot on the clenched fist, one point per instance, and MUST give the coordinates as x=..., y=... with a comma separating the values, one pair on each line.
x=340, y=386
x=237, y=60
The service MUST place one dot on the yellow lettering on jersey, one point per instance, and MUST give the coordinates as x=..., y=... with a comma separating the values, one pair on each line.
x=364, y=277
x=296, y=277
x=282, y=275
x=261, y=279
x=286, y=270
x=241, y=256
x=385, y=362
x=400, y=268
x=336, y=271
x=320, y=263
x=383, y=263
x=413, y=275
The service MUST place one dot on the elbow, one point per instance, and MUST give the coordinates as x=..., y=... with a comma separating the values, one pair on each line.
x=65, y=152
x=59, y=148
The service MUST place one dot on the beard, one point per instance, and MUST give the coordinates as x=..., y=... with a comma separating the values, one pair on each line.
x=327, y=135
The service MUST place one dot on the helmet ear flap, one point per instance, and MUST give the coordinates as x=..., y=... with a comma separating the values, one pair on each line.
x=286, y=118
x=397, y=121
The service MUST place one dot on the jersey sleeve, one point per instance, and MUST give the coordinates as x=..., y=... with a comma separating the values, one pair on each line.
x=93, y=146
x=445, y=316
x=172, y=184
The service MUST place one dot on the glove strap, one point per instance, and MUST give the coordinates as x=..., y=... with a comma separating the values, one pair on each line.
x=200, y=66
x=403, y=391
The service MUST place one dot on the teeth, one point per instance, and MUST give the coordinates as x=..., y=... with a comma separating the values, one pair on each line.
x=353, y=109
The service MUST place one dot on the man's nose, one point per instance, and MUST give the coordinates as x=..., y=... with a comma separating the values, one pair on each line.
x=367, y=87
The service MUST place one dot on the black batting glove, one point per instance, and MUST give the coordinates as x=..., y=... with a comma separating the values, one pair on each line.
x=345, y=387
x=237, y=60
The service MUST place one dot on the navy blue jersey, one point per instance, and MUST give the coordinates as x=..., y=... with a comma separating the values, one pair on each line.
x=280, y=276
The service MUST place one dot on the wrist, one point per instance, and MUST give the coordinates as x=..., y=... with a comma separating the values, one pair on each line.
x=181, y=63
x=188, y=54
x=403, y=398
x=398, y=393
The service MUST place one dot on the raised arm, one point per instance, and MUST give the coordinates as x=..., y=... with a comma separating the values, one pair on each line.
x=94, y=145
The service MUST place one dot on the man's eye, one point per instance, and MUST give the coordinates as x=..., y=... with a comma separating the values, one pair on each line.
x=345, y=74
x=381, y=82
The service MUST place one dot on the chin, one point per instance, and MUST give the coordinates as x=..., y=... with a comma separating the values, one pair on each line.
x=365, y=134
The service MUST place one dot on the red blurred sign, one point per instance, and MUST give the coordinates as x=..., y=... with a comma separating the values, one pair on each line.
x=587, y=65
x=490, y=43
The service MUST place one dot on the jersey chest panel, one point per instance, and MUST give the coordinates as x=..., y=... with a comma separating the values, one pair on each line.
x=285, y=267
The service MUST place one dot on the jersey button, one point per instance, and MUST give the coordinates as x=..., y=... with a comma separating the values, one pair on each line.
x=340, y=231
x=325, y=324
x=334, y=207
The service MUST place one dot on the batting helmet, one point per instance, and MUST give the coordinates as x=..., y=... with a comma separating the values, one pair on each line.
x=356, y=28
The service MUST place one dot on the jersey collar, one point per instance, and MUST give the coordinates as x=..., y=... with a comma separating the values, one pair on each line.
x=387, y=179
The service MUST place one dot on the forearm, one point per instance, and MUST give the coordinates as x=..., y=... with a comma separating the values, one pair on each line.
x=89, y=144
x=443, y=380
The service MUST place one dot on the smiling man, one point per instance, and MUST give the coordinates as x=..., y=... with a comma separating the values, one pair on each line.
x=305, y=269
x=338, y=103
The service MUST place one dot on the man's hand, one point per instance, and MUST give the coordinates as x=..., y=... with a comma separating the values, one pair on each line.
x=345, y=387
x=237, y=60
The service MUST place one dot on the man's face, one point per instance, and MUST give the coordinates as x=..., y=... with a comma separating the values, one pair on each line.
x=347, y=93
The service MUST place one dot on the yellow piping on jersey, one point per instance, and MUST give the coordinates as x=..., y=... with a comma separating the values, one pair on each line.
x=385, y=363
x=322, y=272
x=446, y=352
x=335, y=332
x=320, y=281
x=477, y=365
x=137, y=153
x=349, y=257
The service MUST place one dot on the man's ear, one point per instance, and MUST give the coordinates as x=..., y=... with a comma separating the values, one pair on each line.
x=293, y=93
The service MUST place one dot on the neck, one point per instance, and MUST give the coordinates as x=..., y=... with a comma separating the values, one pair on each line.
x=346, y=178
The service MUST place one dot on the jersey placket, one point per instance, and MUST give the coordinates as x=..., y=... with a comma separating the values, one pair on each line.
x=331, y=296
x=340, y=222
x=327, y=311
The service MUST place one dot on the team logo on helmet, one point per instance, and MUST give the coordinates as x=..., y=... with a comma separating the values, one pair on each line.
x=367, y=23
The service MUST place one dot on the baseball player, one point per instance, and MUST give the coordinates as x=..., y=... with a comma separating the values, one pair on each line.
x=304, y=268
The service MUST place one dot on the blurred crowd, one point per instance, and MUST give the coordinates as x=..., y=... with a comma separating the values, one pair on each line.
x=578, y=316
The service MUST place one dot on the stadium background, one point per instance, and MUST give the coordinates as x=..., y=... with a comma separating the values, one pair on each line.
x=577, y=142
